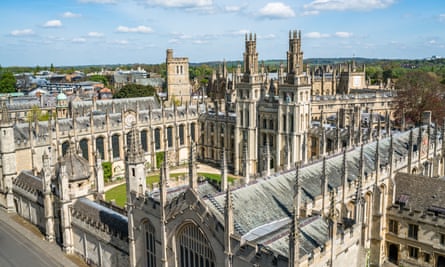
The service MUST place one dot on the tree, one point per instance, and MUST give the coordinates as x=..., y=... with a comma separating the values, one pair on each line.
x=135, y=90
x=7, y=82
x=420, y=91
x=99, y=78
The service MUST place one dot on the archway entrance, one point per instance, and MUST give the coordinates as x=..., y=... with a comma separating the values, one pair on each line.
x=393, y=253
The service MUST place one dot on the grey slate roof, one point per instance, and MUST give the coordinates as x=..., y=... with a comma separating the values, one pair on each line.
x=420, y=192
x=270, y=199
x=27, y=181
x=88, y=209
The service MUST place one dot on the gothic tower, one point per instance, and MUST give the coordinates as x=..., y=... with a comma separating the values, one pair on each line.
x=294, y=56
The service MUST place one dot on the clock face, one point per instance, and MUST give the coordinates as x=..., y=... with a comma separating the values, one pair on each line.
x=129, y=120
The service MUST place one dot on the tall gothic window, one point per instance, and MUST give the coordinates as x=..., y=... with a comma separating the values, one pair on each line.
x=115, y=146
x=83, y=144
x=100, y=146
x=194, y=248
x=150, y=244
x=192, y=131
x=170, y=136
x=157, y=138
x=144, y=140
x=65, y=146
x=181, y=134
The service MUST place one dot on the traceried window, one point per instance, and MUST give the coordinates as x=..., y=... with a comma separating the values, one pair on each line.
x=65, y=146
x=83, y=144
x=144, y=140
x=150, y=245
x=170, y=136
x=100, y=146
x=115, y=146
x=181, y=134
x=157, y=139
x=194, y=248
x=192, y=131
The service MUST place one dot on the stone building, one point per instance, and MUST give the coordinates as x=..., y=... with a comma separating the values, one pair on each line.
x=178, y=80
x=288, y=210
x=415, y=233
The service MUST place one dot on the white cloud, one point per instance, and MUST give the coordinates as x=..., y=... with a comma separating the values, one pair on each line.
x=348, y=4
x=276, y=10
x=343, y=34
x=181, y=36
x=200, y=41
x=442, y=17
x=95, y=34
x=232, y=8
x=240, y=32
x=316, y=35
x=70, y=14
x=310, y=13
x=119, y=42
x=138, y=29
x=180, y=3
x=173, y=41
x=267, y=36
x=78, y=40
x=53, y=24
x=22, y=32
x=432, y=41
x=99, y=1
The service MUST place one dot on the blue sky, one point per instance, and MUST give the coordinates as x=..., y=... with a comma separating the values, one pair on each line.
x=81, y=32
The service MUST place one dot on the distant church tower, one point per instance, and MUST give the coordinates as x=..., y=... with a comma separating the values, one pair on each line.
x=178, y=80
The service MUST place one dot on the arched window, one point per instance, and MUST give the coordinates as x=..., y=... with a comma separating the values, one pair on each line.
x=170, y=136
x=83, y=144
x=192, y=131
x=115, y=146
x=157, y=139
x=194, y=248
x=150, y=244
x=65, y=146
x=100, y=146
x=144, y=140
x=181, y=134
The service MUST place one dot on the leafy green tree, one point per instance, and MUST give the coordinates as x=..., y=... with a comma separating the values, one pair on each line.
x=135, y=90
x=7, y=82
x=99, y=78
x=36, y=114
x=106, y=166
x=420, y=91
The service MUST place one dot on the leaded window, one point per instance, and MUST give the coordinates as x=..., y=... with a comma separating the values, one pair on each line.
x=150, y=245
x=194, y=248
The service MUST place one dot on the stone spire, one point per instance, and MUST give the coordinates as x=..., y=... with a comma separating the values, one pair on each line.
x=224, y=180
x=48, y=203
x=99, y=177
x=246, y=165
x=377, y=162
x=135, y=152
x=324, y=186
x=344, y=182
x=135, y=165
x=410, y=151
x=5, y=114
x=332, y=225
x=163, y=203
x=228, y=228
x=268, y=157
x=294, y=235
x=193, y=175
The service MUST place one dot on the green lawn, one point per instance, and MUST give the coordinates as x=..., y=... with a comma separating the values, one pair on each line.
x=118, y=193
